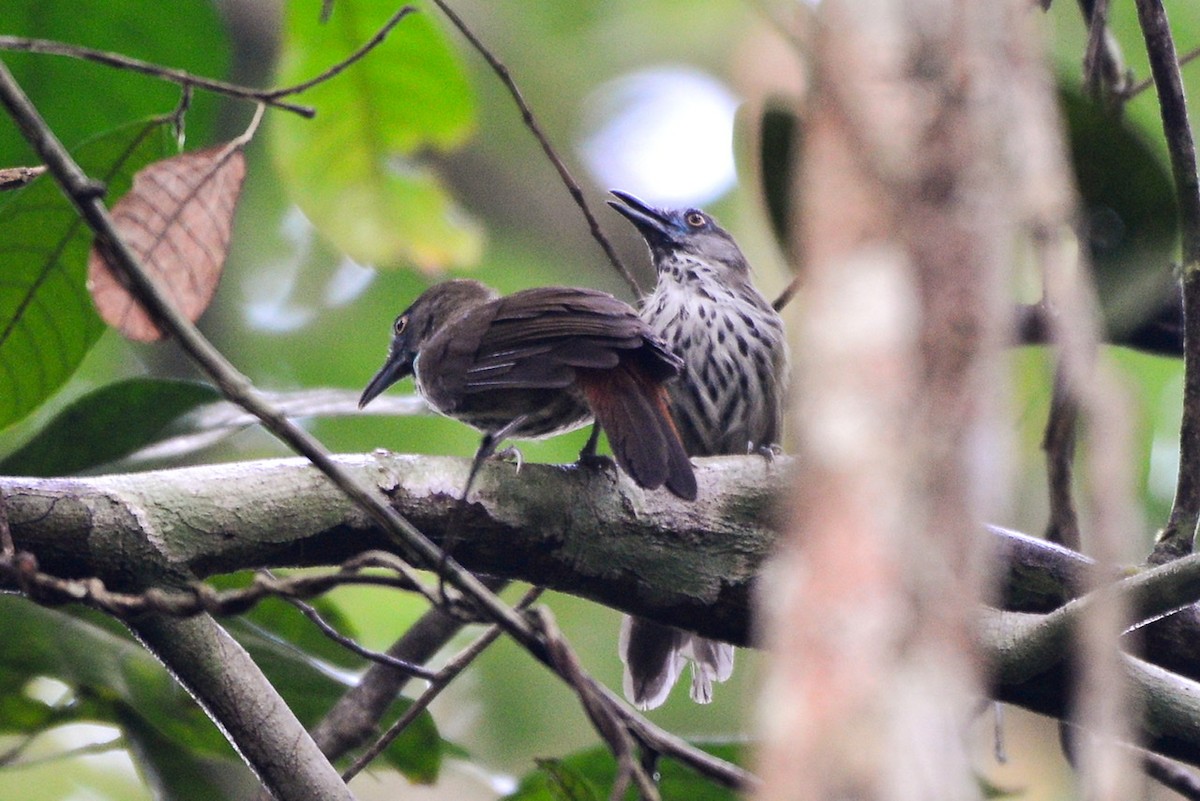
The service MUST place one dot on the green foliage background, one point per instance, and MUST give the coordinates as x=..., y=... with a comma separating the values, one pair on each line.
x=418, y=163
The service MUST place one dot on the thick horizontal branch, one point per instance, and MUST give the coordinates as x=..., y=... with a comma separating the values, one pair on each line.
x=583, y=531
x=1170, y=701
x=588, y=532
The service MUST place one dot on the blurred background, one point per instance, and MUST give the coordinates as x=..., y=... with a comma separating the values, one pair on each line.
x=661, y=98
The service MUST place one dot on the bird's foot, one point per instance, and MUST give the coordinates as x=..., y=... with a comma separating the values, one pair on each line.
x=768, y=452
x=510, y=454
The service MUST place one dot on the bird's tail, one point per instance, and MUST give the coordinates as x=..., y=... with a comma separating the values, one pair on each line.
x=654, y=656
x=632, y=409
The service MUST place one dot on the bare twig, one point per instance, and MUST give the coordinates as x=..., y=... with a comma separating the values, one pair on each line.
x=532, y=124
x=47, y=47
x=1176, y=538
x=670, y=745
x=337, y=68
x=785, y=297
x=356, y=715
x=17, y=177
x=1172, y=775
x=1097, y=28
x=350, y=645
x=20, y=570
x=602, y=713
x=1166, y=772
x=106, y=747
x=271, y=97
x=1058, y=442
x=1102, y=72
x=438, y=682
x=1143, y=85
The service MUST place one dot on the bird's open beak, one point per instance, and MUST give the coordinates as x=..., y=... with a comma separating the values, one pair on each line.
x=654, y=224
x=395, y=368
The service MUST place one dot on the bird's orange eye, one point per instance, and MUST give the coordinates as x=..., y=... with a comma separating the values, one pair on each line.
x=400, y=325
x=696, y=219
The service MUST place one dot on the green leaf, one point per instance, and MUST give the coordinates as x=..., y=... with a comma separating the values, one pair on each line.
x=418, y=752
x=774, y=137
x=47, y=322
x=178, y=773
x=589, y=774
x=1129, y=210
x=297, y=660
x=311, y=688
x=19, y=712
x=105, y=425
x=79, y=98
x=356, y=169
x=564, y=783
x=279, y=620
x=104, y=668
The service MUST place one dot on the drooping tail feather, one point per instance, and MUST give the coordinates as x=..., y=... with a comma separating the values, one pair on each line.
x=654, y=656
x=633, y=411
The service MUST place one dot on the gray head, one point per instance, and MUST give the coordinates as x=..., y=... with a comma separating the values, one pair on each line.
x=672, y=234
x=440, y=304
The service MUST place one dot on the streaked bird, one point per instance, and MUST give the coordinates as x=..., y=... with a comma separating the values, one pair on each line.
x=730, y=400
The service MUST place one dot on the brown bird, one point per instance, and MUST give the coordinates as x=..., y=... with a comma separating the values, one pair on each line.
x=542, y=362
x=728, y=401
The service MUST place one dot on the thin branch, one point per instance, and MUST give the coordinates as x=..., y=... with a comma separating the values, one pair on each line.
x=271, y=97
x=217, y=671
x=1180, y=530
x=106, y=747
x=600, y=710
x=1097, y=29
x=367, y=47
x=1102, y=69
x=789, y=292
x=440, y=681
x=17, y=177
x=9, y=757
x=1172, y=775
x=532, y=124
x=20, y=571
x=356, y=715
x=667, y=744
x=1058, y=443
x=354, y=647
x=60, y=711
x=21, y=44
x=1143, y=85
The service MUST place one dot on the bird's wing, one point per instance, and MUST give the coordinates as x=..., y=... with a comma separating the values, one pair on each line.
x=539, y=337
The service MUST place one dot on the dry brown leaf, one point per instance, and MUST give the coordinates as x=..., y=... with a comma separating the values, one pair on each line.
x=177, y=218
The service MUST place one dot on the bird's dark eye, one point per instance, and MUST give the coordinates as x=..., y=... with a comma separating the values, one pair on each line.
x=696, y=219
x=400, y=324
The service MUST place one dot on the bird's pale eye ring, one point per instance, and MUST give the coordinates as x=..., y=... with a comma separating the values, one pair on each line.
x=400, y=324
x=695, y=219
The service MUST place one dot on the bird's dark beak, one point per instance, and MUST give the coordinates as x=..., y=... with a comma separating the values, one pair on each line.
x=655, y=226
x=397, y=366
